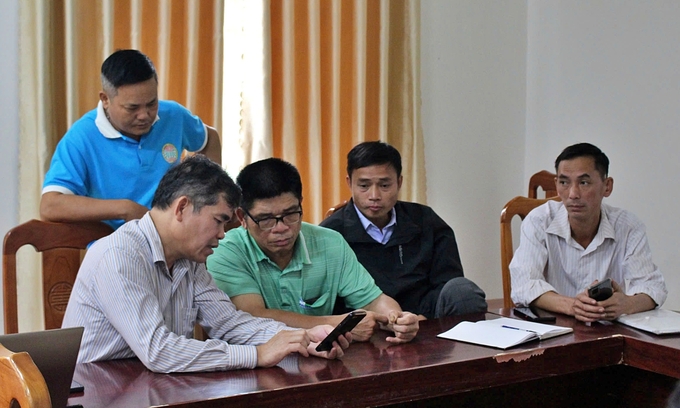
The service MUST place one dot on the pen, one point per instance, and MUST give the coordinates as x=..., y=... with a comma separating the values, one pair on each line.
x=517, y=328
x=306, y=304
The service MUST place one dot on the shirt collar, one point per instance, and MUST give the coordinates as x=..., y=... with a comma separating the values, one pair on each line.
x=560, y=226
x=104, y=125
x=149, y=228
x=368, y=224
x=300, y=252
x=157, y=252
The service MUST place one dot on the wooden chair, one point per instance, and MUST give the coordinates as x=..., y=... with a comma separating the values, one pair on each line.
x=61, y=245
x=22, y=383
x=335, y=208
x=546, y=181
x=520, y=206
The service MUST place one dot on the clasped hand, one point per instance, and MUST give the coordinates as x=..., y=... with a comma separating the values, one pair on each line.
x=587, y=309
x=403, y=324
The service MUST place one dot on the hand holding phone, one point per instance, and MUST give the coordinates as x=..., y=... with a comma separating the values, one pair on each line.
x=602, y=290
x=345, y=326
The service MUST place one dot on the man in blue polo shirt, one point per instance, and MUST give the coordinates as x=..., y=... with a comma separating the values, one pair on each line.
x=108, y=165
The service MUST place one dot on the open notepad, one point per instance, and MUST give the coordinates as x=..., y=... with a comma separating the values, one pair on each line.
x=657, y=321
x=503, y=332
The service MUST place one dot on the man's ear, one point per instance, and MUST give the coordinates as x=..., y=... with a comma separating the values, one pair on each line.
x=348, y=179
x=399, y=181
x=608, y=186
x=104, y=98
x=241, y=217
x=182, y=205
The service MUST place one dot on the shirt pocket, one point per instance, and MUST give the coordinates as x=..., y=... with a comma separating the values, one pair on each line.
x=314, y=305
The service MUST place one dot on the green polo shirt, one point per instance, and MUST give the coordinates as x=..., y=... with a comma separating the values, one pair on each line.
x=323, y=267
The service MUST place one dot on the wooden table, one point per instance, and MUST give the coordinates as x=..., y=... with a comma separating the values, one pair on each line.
x=629, y=367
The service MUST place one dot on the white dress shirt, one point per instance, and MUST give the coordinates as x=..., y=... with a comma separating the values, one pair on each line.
x=549, y=259
x=131, y=305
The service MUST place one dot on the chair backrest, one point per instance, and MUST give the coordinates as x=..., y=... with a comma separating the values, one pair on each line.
x=61, y=245
x=546, y=181
x=335, y=208
x=22, y=383
x=520, y=206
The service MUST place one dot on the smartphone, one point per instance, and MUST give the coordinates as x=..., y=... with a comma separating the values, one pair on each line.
x=346, y=325
x=602, y=290
x=534, y=314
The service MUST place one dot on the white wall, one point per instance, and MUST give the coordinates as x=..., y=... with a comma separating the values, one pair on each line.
x=608, y=72
x=605, y=72
x=473, y=79
x=9, y=118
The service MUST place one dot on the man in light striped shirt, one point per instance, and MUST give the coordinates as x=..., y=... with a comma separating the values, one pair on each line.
x=567, y=246
x=140, y=291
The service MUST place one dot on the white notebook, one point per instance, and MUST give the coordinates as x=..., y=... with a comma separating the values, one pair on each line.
x=657, y=321
x=503, y=332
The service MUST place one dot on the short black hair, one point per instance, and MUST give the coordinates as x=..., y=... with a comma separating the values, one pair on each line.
x=268, y=178
x=373, y=153
x=585, y=150
x=201, y=180
x=126, y=67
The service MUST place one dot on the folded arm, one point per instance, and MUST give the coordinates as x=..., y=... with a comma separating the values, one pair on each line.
x=59, y=207
x=254, y=304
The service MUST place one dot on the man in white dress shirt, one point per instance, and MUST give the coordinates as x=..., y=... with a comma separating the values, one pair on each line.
x=568, y=246
x=140, y=290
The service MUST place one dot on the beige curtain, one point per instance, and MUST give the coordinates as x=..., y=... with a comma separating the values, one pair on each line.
x=40, y=101
x=323, y=75
x=63, y=44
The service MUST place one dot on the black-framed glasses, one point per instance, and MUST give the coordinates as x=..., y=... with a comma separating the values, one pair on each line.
x=265, y=224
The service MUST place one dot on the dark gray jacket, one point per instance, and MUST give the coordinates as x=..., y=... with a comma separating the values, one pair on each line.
x=420, y=257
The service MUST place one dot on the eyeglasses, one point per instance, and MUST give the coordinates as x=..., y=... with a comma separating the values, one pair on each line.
x=265, y=224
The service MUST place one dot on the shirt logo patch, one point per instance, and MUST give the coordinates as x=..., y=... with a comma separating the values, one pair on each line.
x=169, y=152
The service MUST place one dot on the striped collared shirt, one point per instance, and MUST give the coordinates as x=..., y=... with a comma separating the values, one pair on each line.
x=549, y=259
x=131, y=305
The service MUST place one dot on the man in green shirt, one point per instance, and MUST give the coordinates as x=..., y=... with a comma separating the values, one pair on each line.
x=276, y=266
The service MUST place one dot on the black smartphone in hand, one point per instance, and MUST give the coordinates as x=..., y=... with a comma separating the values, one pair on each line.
x=345, y=326
x=534, y=314
x=602, y=290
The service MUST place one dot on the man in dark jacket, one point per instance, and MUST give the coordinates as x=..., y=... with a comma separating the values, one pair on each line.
x=408, y=249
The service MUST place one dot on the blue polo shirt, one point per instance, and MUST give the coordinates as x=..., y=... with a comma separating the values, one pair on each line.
x=94, y=160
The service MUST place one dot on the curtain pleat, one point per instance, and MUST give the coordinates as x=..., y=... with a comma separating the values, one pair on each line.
x=344, y=72
x=41, y=109
x=182, y=38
